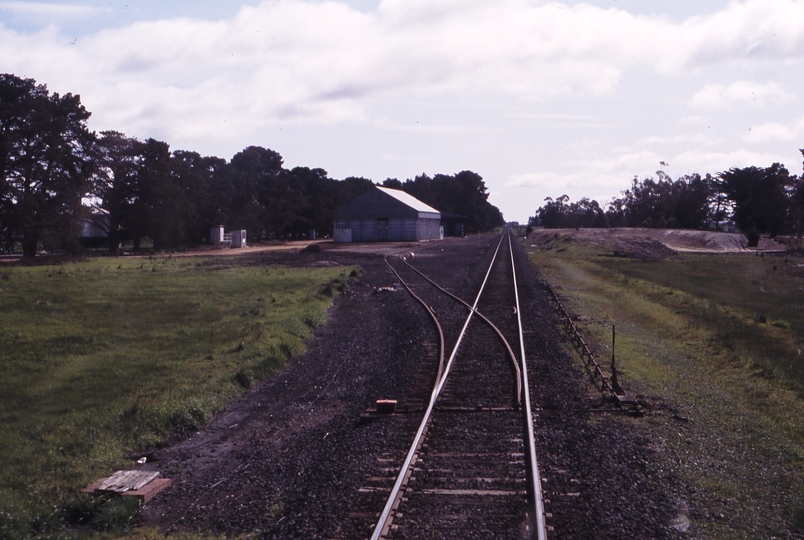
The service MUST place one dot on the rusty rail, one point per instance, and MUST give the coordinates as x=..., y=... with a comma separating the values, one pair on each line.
x=586, y=354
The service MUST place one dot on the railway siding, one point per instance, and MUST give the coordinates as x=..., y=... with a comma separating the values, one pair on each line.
x=470, y=478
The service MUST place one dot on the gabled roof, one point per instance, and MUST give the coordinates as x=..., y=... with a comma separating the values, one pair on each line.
x=407, y=199
x=385, y=203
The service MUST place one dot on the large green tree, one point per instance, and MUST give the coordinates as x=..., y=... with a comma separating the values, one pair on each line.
x=119, y=159
x=761, y=199
x=663, y=203
x=172, y=190
x=258, y=193
x=45, y=164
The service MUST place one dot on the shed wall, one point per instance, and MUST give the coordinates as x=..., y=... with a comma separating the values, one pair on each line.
x=429, y=229
x=391, y=230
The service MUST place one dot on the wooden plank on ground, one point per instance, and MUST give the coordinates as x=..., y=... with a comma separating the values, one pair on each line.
x=94, y=485
x=123, y=481
x=150, y=490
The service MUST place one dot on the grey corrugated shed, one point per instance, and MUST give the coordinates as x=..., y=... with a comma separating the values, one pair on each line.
x=386, y=215
x=385, y=203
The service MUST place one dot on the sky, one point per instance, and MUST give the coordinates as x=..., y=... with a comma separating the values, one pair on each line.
x=539, y=98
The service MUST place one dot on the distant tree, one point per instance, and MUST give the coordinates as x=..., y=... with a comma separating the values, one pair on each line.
x=353, y=186
x=273, y=201
x=550, y=216
x=152, y=212
x=191, y=178
x=45, y=164
x=463, y=193
x=392, y=183
x=215, y=176
x=314, y=195
x=262, y=200
x=719, y=207
x=689, y=202
x=286, y=204
x=421, y=187
x=560, y=213
x=664, y=203
x=761, y=198
x=797, y=203
x=473, y=203
x=588, y=214
x=170, y=192
x=118, y=160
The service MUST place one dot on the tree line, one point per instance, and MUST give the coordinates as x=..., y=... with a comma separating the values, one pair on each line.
x=51, y=165
x=757, y=200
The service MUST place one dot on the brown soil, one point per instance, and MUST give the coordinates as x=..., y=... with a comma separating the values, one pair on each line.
x=657, y=243
x=289, y=459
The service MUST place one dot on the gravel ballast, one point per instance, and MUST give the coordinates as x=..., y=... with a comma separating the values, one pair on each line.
x=293, y=458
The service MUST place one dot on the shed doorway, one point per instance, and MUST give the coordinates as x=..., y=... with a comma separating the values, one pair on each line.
x=383, y=230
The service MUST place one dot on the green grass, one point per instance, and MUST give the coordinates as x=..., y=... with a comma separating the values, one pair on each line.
x=691, y=341
x=100, y=360
x=754, y=306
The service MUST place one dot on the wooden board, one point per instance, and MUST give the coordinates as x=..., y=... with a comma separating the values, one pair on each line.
x=123, y=481
x=94, y=485
x=148, y=492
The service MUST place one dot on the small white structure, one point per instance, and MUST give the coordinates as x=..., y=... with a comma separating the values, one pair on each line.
x=343, y=235
x=216, y=236
x=235, y=239
x=238, y=239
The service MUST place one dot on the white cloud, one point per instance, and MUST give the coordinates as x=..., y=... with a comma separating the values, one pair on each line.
x=697, y=161
x=43, y=11
x=693, y=119
x=772, y=131
x=292, y=61
x=740, y=93
x=533, y=188
x=416, y=127
x=558, y=116
x=596, y=178
x=749, y=30
x=695, y=138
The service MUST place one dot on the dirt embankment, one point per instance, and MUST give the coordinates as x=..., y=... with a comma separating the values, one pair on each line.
x=658, y=242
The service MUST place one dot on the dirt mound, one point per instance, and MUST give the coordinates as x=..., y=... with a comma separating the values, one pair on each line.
x=312, y=248
x=656, y=243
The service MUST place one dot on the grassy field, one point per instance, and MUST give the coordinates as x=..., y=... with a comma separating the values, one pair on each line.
x=712, y=345
x=101, y=359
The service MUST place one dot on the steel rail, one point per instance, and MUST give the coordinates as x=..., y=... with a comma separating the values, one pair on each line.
x=379, y=529
x=514, y=361
x=585, y=351
x=441, y=346
x=537, y=504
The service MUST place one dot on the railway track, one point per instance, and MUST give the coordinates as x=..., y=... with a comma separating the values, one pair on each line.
x=471, y=470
